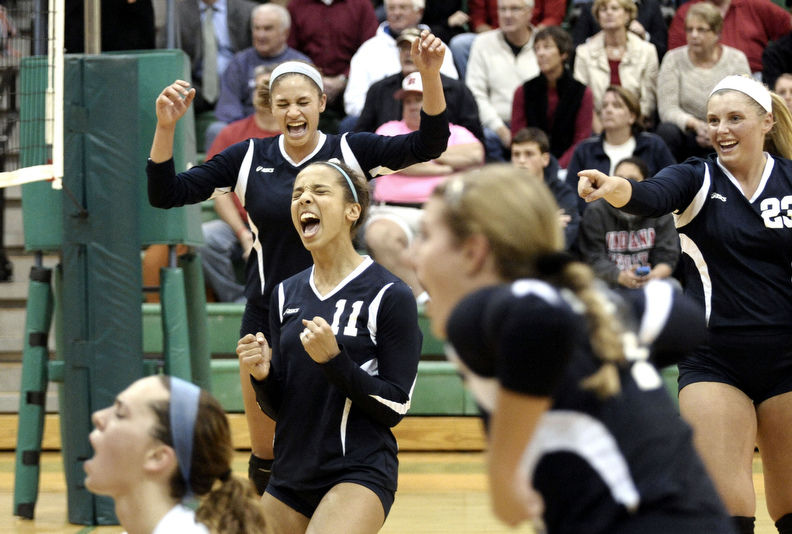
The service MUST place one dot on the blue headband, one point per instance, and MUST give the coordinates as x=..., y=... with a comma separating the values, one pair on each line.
x=345, y=175
x=183, y=412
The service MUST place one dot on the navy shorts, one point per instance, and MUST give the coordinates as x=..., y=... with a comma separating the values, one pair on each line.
x=306, y=502
x=757, y=362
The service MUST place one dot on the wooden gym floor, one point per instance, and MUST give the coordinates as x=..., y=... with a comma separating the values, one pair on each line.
x=439, y=492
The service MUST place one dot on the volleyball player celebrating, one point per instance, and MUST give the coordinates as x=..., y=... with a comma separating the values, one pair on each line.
x=344, y=358
x=732, y=211
x=576, y=412
x=262, y=171
x=162, y=442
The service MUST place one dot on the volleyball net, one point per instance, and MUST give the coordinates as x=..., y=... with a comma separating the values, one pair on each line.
x=35, y=130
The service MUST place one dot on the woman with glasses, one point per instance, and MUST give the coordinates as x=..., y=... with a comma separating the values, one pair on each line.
x=687, y=75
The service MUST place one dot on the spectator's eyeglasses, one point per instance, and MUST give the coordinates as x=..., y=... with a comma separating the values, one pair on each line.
x=511, y=9
x=698, y=29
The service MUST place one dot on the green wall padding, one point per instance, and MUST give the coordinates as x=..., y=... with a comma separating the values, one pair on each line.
x=41, y=205
x=101, y=259
x=33, y=392
x=195, y=293
x=176, y=349
x=156, y=69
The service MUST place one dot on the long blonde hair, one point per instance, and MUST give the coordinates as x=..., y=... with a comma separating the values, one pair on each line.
x=779, y=140
x=519, y=217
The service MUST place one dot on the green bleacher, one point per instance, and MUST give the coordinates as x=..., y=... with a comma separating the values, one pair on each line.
x=438, y=390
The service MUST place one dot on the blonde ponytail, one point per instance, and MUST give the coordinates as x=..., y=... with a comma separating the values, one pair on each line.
x=779, y=141
x=604, y=328
x=519, y=217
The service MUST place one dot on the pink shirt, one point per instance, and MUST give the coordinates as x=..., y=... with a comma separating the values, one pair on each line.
x=413, y=189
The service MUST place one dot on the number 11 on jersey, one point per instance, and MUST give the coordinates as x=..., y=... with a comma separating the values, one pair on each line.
x=350, y=329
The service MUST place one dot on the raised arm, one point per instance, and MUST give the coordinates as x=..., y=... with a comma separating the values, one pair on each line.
x=172, y=103
x=427, y=53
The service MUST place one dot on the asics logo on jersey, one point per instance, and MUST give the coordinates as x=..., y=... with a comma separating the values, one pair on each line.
x=718, y=196
x=264, y=169
x=291, y=311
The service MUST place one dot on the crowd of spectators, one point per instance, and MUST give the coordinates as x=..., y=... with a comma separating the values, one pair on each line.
x=603, y=80
x=623, y=88
x=492, y=49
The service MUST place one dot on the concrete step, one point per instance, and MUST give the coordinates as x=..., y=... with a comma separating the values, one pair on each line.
x=13, y=302
x=13, y=194
x=14, y=235
x=17, y=289
x=10, y=382
x=12, y=330
x=12, y=334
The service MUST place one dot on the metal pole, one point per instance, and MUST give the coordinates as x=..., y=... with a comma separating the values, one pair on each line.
x=93, y=26
x=171, y=24
x=39, y=45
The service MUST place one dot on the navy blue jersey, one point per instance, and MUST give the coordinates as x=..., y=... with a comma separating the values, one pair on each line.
x=740, y=249
x=618, y=465
x=262, y=175
x=334, y=419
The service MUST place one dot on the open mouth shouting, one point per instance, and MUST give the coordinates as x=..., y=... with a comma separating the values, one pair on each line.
x=309, y=224
x=297, y=128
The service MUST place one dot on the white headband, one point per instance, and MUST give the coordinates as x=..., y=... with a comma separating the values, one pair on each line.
x=747, y=86
x=296, y=67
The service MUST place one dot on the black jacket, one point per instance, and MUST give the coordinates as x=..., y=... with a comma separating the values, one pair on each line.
x=381, y=107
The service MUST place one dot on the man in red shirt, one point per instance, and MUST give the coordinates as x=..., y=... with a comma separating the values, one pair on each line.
x=748, y=25
x=330, y=32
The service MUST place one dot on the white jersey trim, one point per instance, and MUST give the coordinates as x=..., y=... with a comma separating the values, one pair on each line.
x=319, y=145
x=180, y=519
x=400, y=408
x=541, y=289
x=590, y=439
x=367, y=261
x=349, y=156
x=244, y=173
x=768, y=169
x=659, y=296
x=371, y=367
x=344, y=419
x=259, y=253
x=690, y=248
x=281, y=301
x=693, y=209
x=373, y=313
x=219, y=191
x=241, y=191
